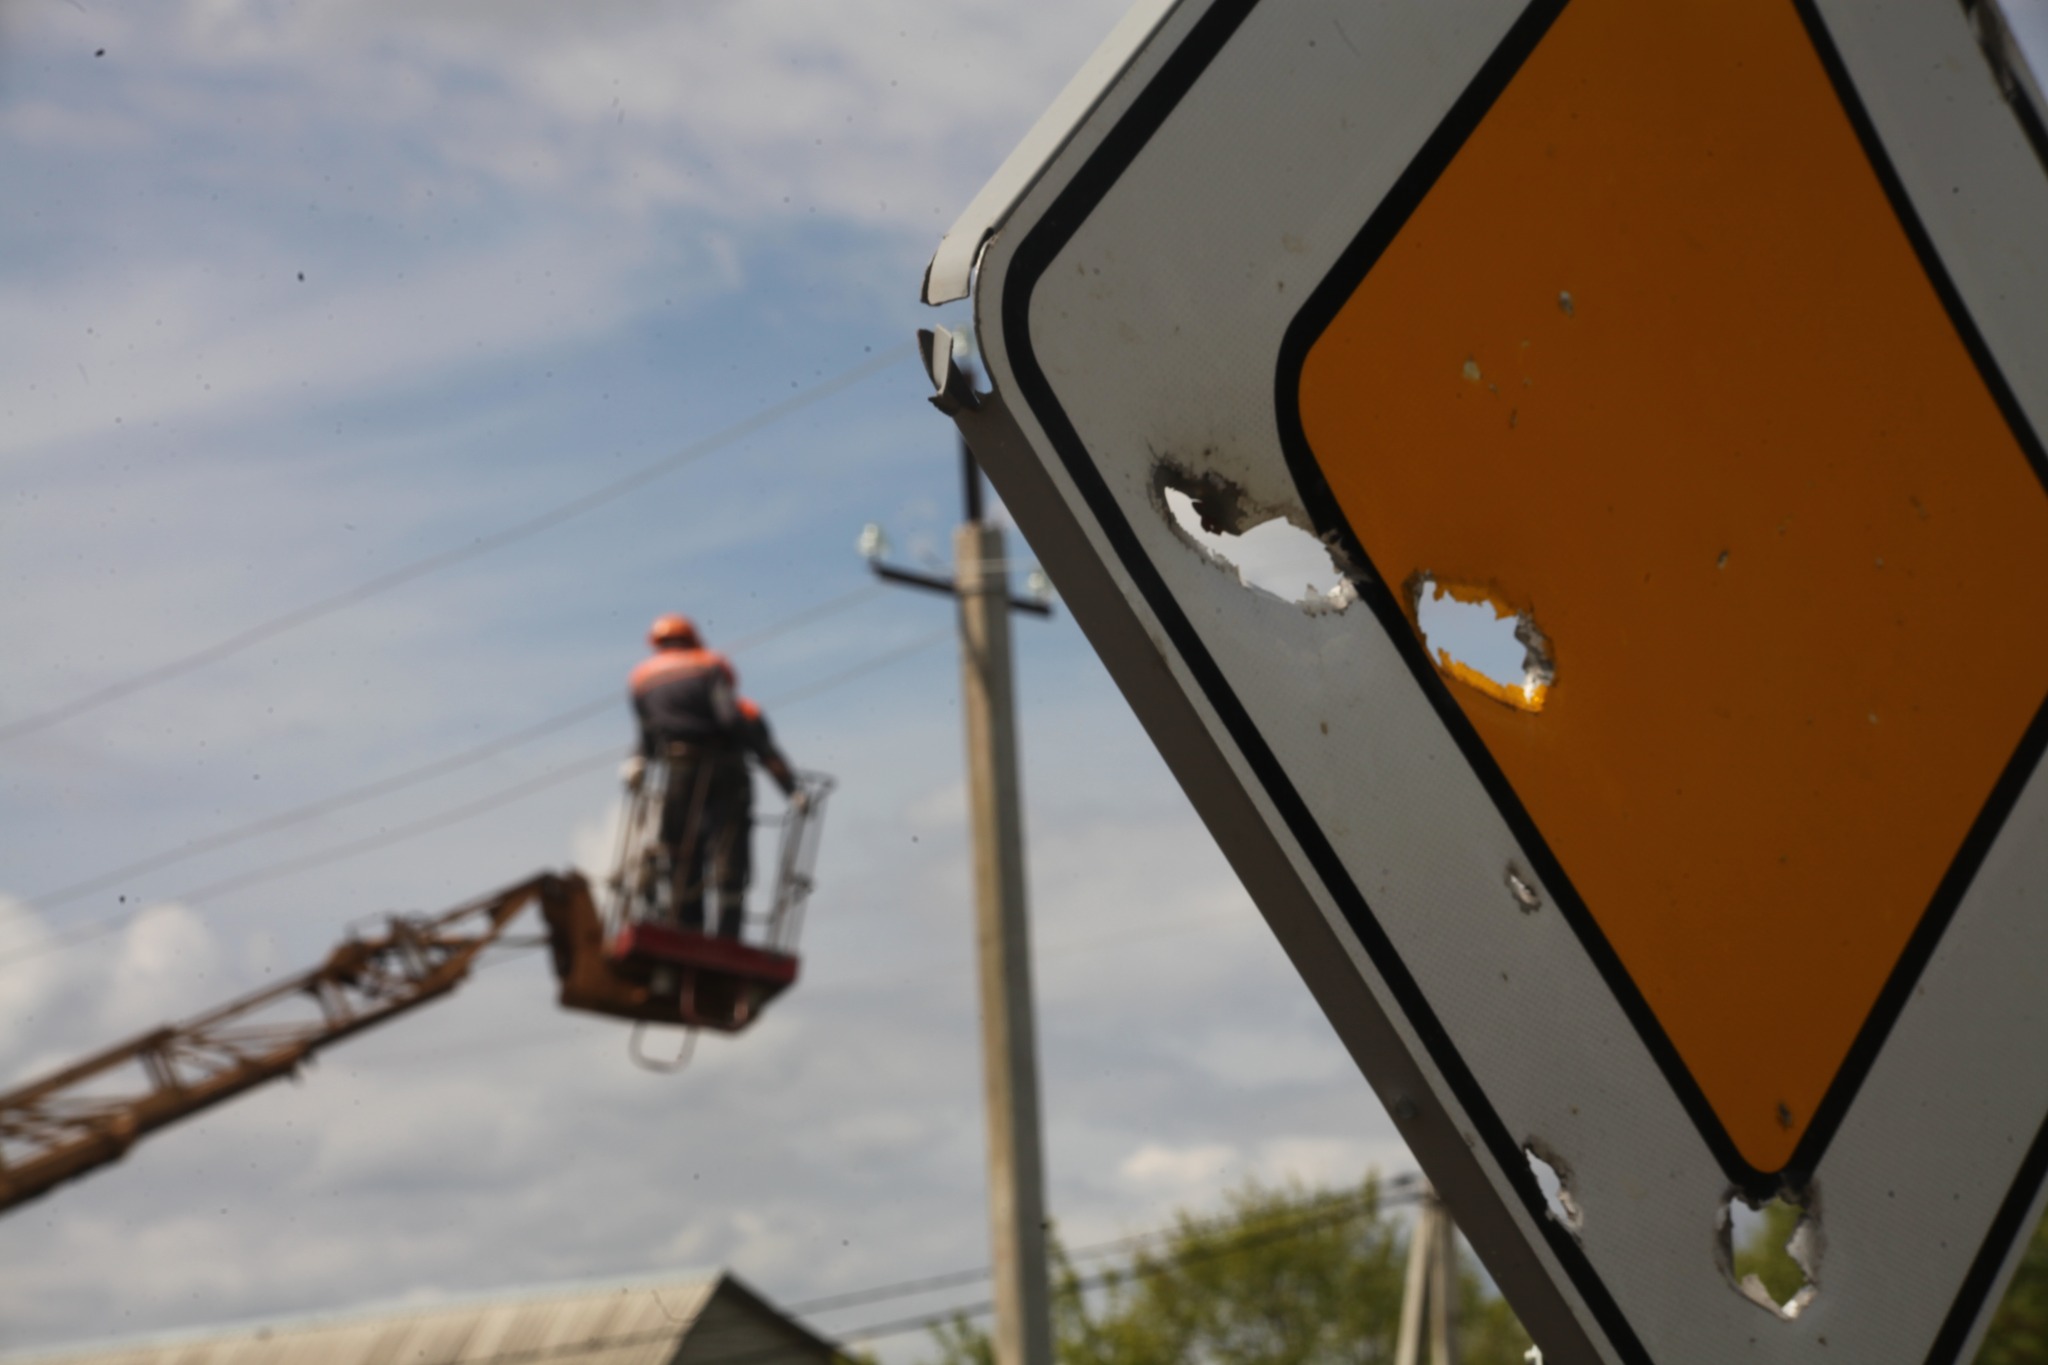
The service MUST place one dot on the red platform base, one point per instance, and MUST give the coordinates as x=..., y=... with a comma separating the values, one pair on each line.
x=657, y=973
x=645, y=945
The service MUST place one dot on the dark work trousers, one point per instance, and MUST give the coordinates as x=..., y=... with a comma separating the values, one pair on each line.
x=707, y=824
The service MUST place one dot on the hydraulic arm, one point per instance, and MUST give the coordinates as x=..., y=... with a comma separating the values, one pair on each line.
x=89, y=1114
x=616, y=963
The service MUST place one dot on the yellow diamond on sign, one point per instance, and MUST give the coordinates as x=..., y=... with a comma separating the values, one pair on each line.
x=1793, y=572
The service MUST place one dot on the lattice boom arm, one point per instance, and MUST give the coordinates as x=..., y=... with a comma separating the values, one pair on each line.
x=88, y=1114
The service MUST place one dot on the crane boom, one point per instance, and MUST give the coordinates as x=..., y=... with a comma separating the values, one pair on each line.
x=88, y=1115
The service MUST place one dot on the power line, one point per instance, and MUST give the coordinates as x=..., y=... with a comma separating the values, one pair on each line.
x=1410, y=1191
x=427, y=824
x=829, y=607
x=96, y=928
x=424, y=772
x=588, y=763
x=434, y=563
x=1395, y=1191
x=923, y=968
x=313, y=810
x=1342, y=1210
x=859, y=670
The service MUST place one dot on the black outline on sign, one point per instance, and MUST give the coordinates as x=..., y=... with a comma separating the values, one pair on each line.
x=1034, y=254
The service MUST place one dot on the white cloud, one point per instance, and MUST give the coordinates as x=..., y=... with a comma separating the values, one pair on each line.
x=1243, y=1052
x=45, y=123
x=1329, y=1161
x=32, y=979
x=942, y=809
x=878, y=114
x=169, y=343
x=1179, y=1171
x=594, y=841
x=163, y=962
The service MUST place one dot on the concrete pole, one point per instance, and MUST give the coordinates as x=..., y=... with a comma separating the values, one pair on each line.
x=1009, y=1051
x=1443, y=1306
x=1429, y=1299
x=1415, y=1292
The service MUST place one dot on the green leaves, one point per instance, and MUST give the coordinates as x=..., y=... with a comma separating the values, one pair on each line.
x=1284, y=1275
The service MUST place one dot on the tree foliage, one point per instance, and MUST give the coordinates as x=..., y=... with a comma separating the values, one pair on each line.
x=2018, y=1334
x=1294, y=1276
x=1283, y=1276
x=1765, y=1252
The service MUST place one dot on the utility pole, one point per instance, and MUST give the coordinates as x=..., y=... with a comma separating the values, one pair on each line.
x=1429, y=1301
x=1009, y=1051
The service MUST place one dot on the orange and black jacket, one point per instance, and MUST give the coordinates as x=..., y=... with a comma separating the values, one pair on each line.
x=686, y=696
x=755, y=737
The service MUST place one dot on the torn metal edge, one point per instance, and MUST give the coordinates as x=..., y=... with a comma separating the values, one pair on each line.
x=1805, y=1245
x=1562, y=1208
x=950, y=274
x=1224, y=508
x=952, y=387
x=1539, y=657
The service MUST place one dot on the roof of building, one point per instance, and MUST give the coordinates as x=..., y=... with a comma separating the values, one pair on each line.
x=701, y=1319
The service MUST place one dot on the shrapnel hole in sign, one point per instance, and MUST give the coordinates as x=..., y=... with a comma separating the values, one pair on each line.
x=1554, y=1178
x=1264, y=548
x=1478, y=640
x=1771, y=1251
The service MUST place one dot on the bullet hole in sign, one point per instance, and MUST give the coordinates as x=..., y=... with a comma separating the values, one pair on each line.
x=1770, y=1251
x=1481, y=642
x=1554, y=1178
x=1262, y=546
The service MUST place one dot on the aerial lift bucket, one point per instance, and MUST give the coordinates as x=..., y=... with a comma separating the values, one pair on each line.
x=657, y=973
x=631, y=961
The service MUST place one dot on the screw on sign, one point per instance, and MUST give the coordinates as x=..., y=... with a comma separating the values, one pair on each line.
x=1706, y=343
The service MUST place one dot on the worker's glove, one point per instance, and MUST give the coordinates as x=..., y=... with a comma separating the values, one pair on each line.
x=633, y=772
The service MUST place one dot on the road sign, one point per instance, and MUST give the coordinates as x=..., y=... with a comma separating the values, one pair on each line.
x=1707, y=341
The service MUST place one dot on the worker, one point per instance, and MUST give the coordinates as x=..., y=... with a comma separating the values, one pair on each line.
x=757, y=739
x=735, y=866
x=687, y=702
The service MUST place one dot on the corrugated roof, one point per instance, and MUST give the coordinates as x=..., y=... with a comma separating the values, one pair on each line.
x=670, y=1321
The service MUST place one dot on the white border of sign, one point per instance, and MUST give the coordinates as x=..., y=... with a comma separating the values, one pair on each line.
x=1128, y=323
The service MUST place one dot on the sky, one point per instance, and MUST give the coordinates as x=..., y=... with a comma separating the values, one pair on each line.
x=339, y=335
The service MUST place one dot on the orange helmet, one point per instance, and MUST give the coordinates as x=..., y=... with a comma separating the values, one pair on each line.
x=673, y=632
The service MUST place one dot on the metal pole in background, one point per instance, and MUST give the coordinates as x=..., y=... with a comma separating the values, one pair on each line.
x=1016, y=1168
x=1429, y=1302
x=1415, y=1292
x=1443, y=1307
x=980, y=589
